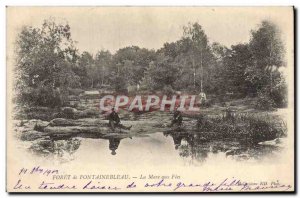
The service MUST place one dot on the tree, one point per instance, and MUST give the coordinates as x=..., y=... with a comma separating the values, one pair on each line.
x=179, y=57
x=161, y=73
x=219, y=81
x=82, y=69
x=235, y=62
x=92, y=71
x=130, y=64
x=267, y=50
x=200, y=52
x=44, y=59
x=103, y=63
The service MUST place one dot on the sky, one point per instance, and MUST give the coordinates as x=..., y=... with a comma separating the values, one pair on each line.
x=111, y=28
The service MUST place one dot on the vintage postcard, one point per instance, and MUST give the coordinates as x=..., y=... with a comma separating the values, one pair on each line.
x=150, y=99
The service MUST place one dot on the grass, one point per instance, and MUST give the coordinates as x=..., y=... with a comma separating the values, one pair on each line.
x=251, y=128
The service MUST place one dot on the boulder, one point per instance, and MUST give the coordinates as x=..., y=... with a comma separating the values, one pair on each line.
x=79, y=122
x=88, y=113
x=32, y=124
x=95, y=125
x=64, y=122
x=31, y=135
x=68, y=112
x=75, y=129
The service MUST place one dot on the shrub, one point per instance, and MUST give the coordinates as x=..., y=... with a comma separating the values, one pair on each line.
x=250, y=128
x=43, y=96
x=279, y=96
x=264, y=102
x=75, y=91
x=167, y=90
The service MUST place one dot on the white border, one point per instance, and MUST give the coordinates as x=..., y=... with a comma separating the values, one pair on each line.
x=4, y=3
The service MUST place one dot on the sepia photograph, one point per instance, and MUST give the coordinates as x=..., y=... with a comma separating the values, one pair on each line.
x=150, y=99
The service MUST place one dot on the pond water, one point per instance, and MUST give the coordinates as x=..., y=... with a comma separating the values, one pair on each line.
x=182, y=149
x=150, y=147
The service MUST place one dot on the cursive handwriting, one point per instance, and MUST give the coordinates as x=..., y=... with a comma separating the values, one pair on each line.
x=226, y=185
x=38, y=170
x=98, y=186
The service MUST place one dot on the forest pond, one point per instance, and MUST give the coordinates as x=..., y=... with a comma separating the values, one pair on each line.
x=150, y=141
x=184, y=149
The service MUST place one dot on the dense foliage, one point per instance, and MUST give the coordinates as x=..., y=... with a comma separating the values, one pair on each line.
x=48, y=66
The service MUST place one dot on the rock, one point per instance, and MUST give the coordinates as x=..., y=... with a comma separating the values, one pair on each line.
x=73, y=98
x=93, y=125
x=278, y=142
x=40, y=126
x=40, y=108
x=31, y=123
x=72, y=113
x=34, y=124
x=88, y=113
x=270, y=142
x=19, y=123
x=88, y=93
x=68, y=112
x=79, y=122
x=21, y=129
x=31, y=135
x=81, y=114
x=64, y=122
x=76, y=129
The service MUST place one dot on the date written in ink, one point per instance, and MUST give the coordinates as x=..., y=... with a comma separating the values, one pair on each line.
x=38, y=170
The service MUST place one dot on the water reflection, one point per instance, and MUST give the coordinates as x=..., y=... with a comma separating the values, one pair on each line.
x=114, y=144
x=59, y=147
x=196, y=147
x=67, y=145
x=187, y=146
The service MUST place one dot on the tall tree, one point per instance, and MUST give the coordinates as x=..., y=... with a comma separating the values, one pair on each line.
x=131, y=63
x=200, y=52
x=267, y=50
x=162, y=73
x=103, y=64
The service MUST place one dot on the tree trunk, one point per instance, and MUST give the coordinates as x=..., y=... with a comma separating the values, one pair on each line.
x=201, y=68
x=194, y=67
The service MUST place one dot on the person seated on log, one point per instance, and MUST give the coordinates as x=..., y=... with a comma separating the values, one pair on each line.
x=177, y=118
x=114, y=121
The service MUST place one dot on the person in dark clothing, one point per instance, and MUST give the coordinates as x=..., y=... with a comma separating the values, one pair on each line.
x=177, y=118
x=114, y=121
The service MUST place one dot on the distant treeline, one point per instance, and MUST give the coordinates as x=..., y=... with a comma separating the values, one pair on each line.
x=48, y=65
